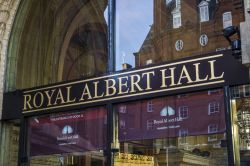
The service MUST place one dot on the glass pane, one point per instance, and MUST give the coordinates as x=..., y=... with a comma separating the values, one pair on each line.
x=74, y=136
x=156, y=31
x=133, y=23
x=173, y=130
x=61, y=40
x=241, y=121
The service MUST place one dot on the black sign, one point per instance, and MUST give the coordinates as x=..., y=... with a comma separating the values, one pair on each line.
x=181, y=76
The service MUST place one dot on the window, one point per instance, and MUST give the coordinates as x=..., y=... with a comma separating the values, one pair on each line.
x=203, y=40
x=123, y=109
x=213, y=107
x=179, y=45
x=246, y=89
x=122, y=124
x=216, y=91
x=236, y=92
x=183, y=133
x=176, y=19
x=149, y=61
x=182, y=95
x=212, y=138
x=150, y=124
x=212, y=128
x=183, y=112
x=150, y=106
x=178, y=3
x=168, y=1
x=227, y=19
x=204, y=11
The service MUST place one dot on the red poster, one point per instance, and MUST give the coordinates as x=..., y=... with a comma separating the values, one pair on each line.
x=69, y=132
x=184, y=115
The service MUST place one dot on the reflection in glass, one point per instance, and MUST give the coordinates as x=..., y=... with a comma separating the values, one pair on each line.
x=79, y=137
x=161, y=30
x=180, y=129
x=86, y=53
x=242, y=120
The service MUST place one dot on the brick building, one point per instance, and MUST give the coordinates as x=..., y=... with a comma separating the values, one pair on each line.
x=187, y=28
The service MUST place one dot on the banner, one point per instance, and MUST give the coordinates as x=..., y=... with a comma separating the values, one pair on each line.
x=192, y=114
x=68, y=133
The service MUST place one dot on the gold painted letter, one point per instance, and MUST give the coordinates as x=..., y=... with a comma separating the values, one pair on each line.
x=164, y=77
x=86, y=92
x=197, y=73
x=110, y=87
x=123, y=84
x=68, y=95
x=26, y=103
x=35, y=100
x=96, y=90
x=49, y=96
x=213, y=77
x=59, y=96
x=148, y=79
x=184, y=74
x=135, y=83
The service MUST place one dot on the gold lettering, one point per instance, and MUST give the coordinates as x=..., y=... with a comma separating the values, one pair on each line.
x=49, y=96
x=27, y=99
x=110, y=87
x=121, y=84
x=35, y=100
x=96, y=92
x=68, y=95
x=197, y=73
x=213, y=77
x=59, y=96
x=135, y=83
x=164, y=77
x=148, y=79
x=184, y=74
x=86, y=92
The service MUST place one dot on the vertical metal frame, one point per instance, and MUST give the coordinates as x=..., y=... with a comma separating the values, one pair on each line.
x=23, y=158
x=111, y=35
x=111, y=68
x=233, y=158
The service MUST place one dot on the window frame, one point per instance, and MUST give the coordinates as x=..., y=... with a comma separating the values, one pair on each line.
x=216, y=107
x=204, y=11
x=244, y=90
x=183, y=133
x=229, y=22
x=183, y=110
x=150, y=124
x=150, y=106
x=176, y=19
x=211, y=127
x=237, y=90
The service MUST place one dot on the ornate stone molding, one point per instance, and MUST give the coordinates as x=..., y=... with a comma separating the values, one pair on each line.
x=8, y=9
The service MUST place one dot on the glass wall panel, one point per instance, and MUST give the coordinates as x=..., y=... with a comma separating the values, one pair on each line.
x=186, y=129
x=77, y=138
x=241, y=121
x=60, y=40
x=156, y=31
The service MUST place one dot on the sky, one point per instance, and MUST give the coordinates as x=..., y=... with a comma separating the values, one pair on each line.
x=133, y=21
